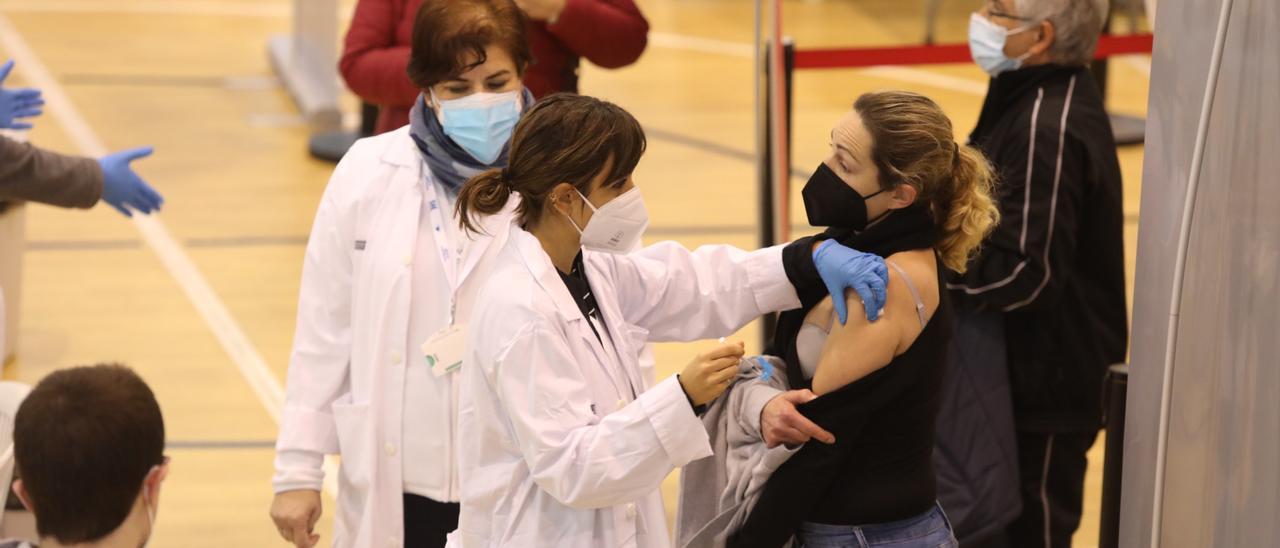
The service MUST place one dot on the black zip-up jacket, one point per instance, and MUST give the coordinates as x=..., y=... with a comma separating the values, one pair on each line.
x=1055, y=263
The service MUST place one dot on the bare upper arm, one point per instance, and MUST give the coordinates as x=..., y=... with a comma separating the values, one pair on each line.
x=860, y=347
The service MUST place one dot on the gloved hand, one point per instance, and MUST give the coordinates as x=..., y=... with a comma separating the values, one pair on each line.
x=17, y=103
x=843, y=268
x=122, y=187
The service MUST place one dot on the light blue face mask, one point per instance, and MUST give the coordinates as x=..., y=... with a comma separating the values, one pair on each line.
x=481, y=123
x=986, y=45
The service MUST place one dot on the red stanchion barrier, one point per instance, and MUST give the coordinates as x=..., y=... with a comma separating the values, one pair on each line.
x=940, y=54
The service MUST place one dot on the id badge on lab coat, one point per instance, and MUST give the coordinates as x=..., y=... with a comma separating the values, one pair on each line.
x=444, y=350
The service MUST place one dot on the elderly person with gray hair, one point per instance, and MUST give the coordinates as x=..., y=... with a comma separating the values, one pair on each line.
x=1042, y=304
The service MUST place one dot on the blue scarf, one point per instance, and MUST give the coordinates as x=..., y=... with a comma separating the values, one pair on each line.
x=450, y=163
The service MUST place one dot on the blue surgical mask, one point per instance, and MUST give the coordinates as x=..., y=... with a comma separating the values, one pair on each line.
x=986, y=45
x=480, y=123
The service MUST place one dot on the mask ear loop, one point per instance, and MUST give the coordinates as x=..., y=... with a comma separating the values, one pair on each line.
x=436, y=105
x=1029, y=26
x=570, y=217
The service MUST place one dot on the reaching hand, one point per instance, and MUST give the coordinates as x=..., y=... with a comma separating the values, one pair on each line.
x=122, y=187
x=842, y=268
x=711, y=373
x=16, y=104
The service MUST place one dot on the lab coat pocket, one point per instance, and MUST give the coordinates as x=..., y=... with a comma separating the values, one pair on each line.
x=354, y=444
x=638, y=337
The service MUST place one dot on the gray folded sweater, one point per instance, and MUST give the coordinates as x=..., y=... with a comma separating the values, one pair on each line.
x=718, y=492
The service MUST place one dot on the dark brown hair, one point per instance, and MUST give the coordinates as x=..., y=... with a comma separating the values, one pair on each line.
x=913, y=144
x=447, y=32
x=564, y=138
x=84, y=440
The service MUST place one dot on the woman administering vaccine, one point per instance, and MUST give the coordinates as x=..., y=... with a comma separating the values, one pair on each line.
x=386, y=290
x=560, y=444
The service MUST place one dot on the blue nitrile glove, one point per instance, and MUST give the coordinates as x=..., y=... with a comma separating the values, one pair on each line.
x=122, y=187
x=842, y=268
x=17, y=103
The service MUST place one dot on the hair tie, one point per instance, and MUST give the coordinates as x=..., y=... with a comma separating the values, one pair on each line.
x=504, y=177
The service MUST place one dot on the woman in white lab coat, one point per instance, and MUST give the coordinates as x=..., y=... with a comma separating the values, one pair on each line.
x=560, y=445
x=387, y=270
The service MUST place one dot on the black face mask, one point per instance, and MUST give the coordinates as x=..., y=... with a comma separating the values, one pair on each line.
x=829, y=201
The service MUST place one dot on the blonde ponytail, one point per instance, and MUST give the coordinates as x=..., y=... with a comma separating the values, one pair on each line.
x=484, y=194
x=913, y=144
x=970, y=214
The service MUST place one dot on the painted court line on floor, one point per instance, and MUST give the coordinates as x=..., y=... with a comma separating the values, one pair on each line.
x=224, y=327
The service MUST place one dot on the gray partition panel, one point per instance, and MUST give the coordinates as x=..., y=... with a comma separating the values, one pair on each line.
x=1222, y=481
x=1179, y=68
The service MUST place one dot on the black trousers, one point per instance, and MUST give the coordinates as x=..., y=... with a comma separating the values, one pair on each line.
x=1052, y=470
x=426, y=522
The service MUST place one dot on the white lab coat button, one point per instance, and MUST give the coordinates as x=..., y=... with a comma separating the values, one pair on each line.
x=408, y=260
x=631, y=511
x=391, y=450
x=394, y=542
x=396, y=359
x=620, y=404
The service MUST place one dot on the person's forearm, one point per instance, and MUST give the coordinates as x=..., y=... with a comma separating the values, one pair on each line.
x=797, y=261
x=31, y=174
x=378, y=76
x=609, y=33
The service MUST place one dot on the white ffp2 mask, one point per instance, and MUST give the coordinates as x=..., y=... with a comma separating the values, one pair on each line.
x=617, y=226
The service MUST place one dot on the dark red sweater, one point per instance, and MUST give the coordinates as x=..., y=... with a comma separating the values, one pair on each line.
x=609, y=33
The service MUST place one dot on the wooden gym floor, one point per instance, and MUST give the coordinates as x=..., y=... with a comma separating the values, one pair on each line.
x=209, y=321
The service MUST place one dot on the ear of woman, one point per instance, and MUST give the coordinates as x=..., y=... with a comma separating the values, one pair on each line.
x=569, y=203
x=903, y=196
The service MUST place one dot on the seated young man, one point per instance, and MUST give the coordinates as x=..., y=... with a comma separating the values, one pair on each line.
x=89, y=452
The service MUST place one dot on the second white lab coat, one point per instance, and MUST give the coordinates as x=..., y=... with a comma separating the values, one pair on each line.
x=345, y=390
x=554, y=448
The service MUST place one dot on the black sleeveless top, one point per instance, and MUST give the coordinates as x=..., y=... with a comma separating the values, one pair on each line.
x=881, y=467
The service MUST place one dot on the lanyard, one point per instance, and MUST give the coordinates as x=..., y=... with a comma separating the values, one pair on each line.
x=450, y=258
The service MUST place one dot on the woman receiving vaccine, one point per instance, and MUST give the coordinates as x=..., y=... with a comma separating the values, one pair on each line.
x=560, y=444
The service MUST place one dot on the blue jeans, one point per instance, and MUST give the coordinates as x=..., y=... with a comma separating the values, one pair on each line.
x=928, y=530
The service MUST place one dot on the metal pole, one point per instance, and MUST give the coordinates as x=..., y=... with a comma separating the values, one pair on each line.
x=788, y=100
x=778, y=114
x=764, y=180
x=768, y=322
x=768, y=236
x=761, y=72
x=1113, y=460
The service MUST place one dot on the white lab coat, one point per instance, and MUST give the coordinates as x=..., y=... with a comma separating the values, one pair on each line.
x=554, y=449
x=345, y=387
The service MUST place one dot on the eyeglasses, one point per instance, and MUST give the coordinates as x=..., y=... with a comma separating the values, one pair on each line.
x=994, y=10
x=1003, y=15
